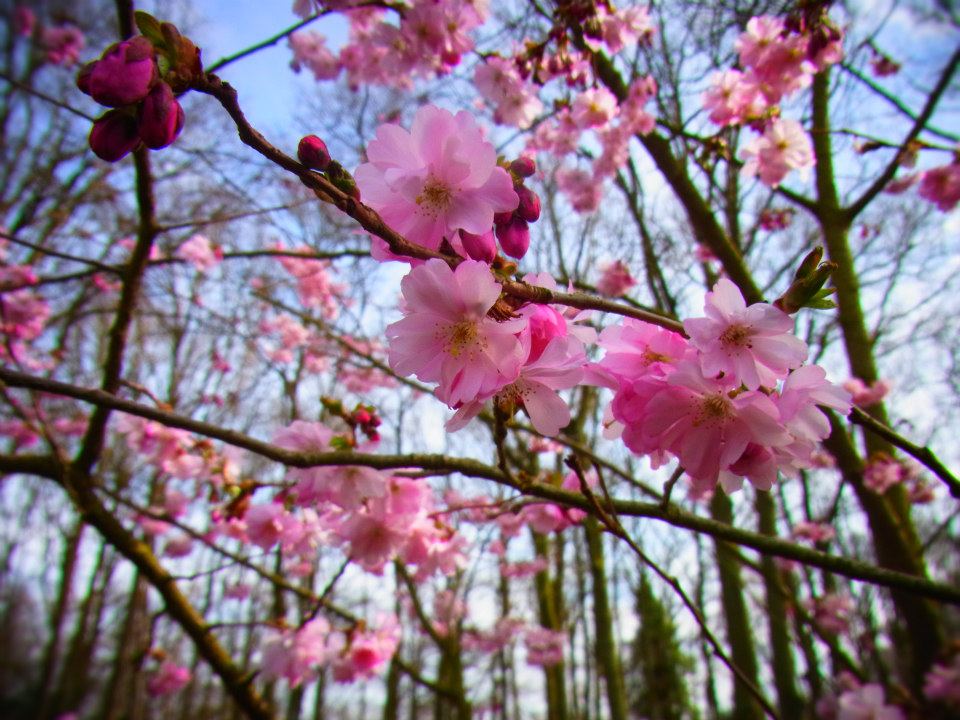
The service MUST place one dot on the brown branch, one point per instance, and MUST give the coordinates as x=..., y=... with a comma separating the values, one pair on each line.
x=848, y=567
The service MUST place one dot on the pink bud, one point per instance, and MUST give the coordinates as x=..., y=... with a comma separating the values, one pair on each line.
x=123, y=75
x=514, y=237
x=113, y=136
x=502, y=218
x=529, y=208
x=523, y=166
x=161, y=117
x=312, y=152
x=479, y=247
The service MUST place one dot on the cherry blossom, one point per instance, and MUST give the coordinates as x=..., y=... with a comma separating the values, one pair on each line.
x=447, y=337
x=941, y=186
x=865, y=395
x=942, y=683
x=615, y=279
x=544, y=646
x=168, y=679
x=750, y=345
x=594, y=108
x=867, y=703
x=438, y=178
x=198, y=251
x=784, y=146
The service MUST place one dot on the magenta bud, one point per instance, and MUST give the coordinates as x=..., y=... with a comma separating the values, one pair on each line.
x=529, y=208
x=123, y=75
x=523, y=166
x=502, y=218
x=114, y=135
x=479, y=247
x=514, y=237
x=312, y=152
x=161, y=117
x=83, y=77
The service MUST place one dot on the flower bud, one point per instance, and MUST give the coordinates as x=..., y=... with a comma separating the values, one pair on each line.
x=114, y=135
x=312, y=152
x=83, y=77
x=529, y=208
x=514, y=237
x=502, y=218
x=161, y=117
x=479, y=247
x=523, y=166
x=123, y=75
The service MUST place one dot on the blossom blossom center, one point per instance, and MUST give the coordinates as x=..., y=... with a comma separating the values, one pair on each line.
x=713, y=409
x=435, y=197
x=460, y=336
x=736, y=336
x=650, y=357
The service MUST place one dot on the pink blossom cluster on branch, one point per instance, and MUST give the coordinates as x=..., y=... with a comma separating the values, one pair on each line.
x=428, y=38
x=731, y=402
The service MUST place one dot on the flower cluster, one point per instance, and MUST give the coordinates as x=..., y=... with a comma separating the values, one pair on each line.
x=128, y=78
x=297, y=655
x=60, y=44
x=448, y=337
x=430, y=38
x=779, y=57
x=732, y=402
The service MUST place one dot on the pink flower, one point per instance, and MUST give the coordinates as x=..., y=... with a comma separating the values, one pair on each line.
x=882, y=473
x=635, y=348
x=440, y=177
x=941, y=186
x=594, y=108
x=544, y=646
x=310, y=51
x=813, y=531
x=168, y=679
x=447, y=337
x=942, y=683
x=236, y=591
x=265, y=524
x=734, y=97
x=615, y=279
x=197, y=250
x=784, y=146
x=296, y=655
x=368, y=651
x=560, y=366
x=515, y=100
x=582, y=190
x=804, y=390
x=62, y=44
x=751, y=345
x=831, y=612
x=625, y=27
x=314, y=286
x=113, y=135
x=867, y=703
x=867, y=395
